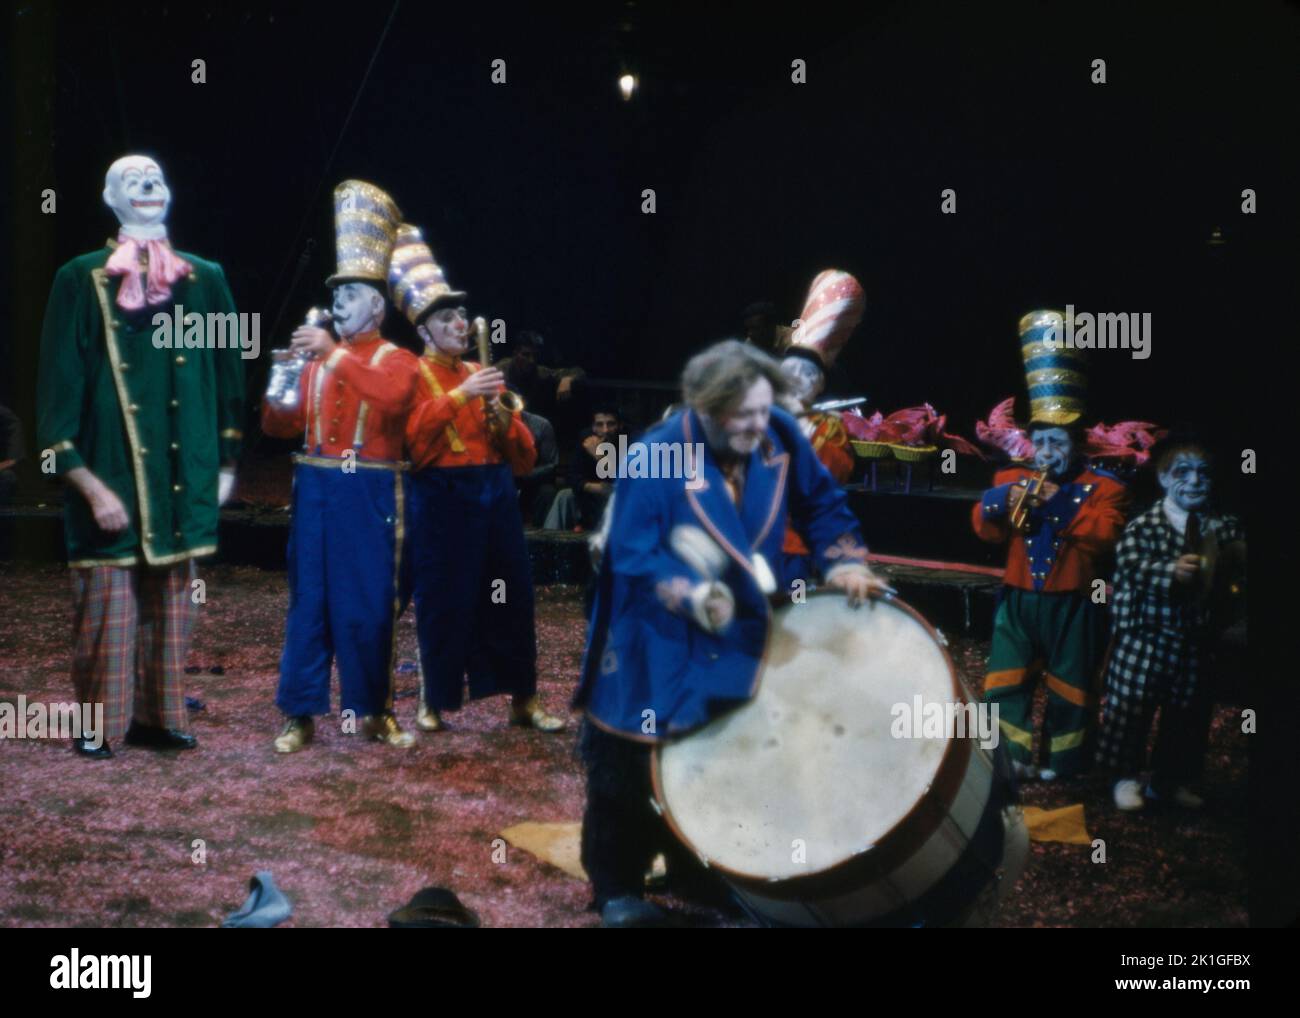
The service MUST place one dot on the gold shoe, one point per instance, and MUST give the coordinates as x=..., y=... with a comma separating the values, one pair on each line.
x=384, y=728
x=529, y=714
x=428, y=720
x=297, y=733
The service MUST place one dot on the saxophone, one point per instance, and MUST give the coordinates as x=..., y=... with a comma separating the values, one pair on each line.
x=287, y=366
x=506, y=404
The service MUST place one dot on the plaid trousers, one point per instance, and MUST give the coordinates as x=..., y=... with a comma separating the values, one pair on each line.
x=1152, y=668
x=131, y=633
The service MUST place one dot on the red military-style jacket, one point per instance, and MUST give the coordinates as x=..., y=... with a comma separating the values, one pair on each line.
x=1068, y=538
x=831, y=443
x=447, y=429
x=357, y=398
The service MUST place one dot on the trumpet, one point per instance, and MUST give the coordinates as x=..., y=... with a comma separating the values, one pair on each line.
x=504, y=405
x=1020, y=514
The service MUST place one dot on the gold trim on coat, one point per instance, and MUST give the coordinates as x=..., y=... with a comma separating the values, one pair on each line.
x=335, y=462
x=399, y=533
x=134, y=560
x=100, y=277
x=453, y=436
x=358, y=436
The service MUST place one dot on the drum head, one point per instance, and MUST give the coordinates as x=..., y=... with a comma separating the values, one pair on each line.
x=810, y=772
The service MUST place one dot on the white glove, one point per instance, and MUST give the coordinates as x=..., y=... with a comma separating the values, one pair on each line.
x=717, y=596
x=225, y=485
x=763, y=573
x=698, y=550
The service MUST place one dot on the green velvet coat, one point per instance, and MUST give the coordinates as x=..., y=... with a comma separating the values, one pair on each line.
x=153, y=422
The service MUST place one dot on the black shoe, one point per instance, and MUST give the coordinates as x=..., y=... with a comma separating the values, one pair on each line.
x=628, y=912
x=83, y=747
x=158, y=738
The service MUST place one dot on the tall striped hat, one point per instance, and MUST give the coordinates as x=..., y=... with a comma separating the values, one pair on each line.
x=415, y=281
x=365, y=226
x=1057, y=377
x=831, y=312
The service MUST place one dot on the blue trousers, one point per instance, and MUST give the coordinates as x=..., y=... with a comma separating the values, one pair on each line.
x=473, y=585
x=345, y=549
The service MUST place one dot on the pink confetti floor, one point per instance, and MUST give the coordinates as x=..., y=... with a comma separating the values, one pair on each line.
x=350, y=829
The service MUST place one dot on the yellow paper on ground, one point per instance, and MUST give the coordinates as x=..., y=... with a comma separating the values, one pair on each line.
x=560, y=845
x=1064, y=824
x=557, y=844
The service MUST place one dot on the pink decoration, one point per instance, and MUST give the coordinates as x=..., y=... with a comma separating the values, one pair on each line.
x=864, y=429
x=165, y=267
x=1002, y=432
x=919, y=425
x=1127, y=440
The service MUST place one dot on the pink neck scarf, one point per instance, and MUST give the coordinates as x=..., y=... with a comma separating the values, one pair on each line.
x=165, y=267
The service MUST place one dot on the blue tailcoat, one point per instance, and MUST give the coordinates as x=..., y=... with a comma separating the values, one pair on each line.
x=644, y=650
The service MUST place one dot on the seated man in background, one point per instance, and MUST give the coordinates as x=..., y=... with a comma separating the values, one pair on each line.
x=541, y=387
x=537, y=488
x=581, y=504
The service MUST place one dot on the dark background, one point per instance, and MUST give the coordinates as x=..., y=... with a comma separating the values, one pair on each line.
x=1103, y=196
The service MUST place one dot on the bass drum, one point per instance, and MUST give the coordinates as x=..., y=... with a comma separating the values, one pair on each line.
x=825, y=801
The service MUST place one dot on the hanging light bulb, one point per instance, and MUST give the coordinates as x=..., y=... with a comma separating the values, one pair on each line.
x=627, y=85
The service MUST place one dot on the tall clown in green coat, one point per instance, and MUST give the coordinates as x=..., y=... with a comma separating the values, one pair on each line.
x=140, y=405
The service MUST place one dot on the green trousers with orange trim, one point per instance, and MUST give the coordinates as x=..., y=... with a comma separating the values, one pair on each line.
x=1063, y=636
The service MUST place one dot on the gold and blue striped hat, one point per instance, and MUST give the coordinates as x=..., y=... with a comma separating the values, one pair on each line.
x=416, y=282
x=365, y=228
x=1057, y=377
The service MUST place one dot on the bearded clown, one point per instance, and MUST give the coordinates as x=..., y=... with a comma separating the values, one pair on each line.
x=147, y=438
x=349, y=489
x=831, y=312
x=1060, y=519
x=1165, y=628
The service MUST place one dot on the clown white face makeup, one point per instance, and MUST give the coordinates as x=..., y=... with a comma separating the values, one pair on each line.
x=806, y=379
x=1053, y=450
x=358, y=307
x=739, y=432
x=447, y=331
x=136, y=192
x=1186, y=481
